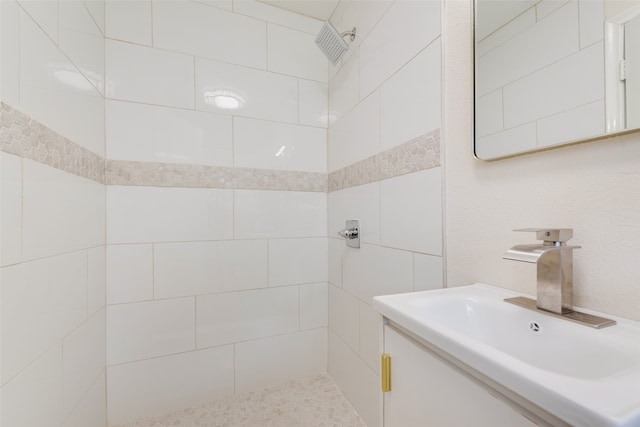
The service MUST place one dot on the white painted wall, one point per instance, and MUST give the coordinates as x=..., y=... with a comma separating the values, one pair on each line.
x=591, y=187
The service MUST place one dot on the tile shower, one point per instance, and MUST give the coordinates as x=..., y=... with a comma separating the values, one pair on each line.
x=158, y=251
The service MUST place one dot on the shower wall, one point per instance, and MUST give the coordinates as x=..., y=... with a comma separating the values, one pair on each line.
x=384, y=169
x=52, y=216
x=216, y=218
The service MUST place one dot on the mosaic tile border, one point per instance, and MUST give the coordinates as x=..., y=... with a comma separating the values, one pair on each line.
x=415, y=155
x=124, y=172
x=25, y=137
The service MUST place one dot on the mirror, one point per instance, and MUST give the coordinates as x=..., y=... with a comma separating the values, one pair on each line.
x=554, y=72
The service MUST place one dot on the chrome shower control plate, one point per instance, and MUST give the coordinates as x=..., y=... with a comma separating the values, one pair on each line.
x=351, y=233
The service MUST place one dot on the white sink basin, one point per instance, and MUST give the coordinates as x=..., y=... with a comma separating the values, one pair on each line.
x=584, y=376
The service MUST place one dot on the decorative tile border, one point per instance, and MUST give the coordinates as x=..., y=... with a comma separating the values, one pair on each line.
x=25, y=137
x=123, y=172
x=415, y=155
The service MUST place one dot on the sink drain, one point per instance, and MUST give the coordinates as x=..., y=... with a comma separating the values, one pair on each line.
x=535, y=327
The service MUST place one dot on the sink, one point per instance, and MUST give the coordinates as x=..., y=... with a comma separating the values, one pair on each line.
x=581, y=375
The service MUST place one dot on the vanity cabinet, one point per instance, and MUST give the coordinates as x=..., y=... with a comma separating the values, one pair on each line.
x=427, y=390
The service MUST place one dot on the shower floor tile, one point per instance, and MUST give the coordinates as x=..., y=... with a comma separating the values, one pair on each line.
x=309, y=402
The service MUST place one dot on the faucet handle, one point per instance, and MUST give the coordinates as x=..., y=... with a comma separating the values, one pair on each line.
x=551, y=235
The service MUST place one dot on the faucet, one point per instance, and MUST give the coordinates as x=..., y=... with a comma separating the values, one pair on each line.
x=554, y=260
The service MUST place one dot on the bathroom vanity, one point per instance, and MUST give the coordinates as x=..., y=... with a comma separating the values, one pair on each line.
x=465, y=357
x=428, y=389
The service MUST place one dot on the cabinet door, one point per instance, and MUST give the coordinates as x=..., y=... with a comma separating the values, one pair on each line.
x=426, y=391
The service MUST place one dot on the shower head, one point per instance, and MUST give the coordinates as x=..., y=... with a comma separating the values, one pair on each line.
x=332, y=43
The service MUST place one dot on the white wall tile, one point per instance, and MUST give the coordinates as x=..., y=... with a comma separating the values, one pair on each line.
x=511, y=141
x=343, y=316
x=295, y=53
x=550, y=40
x=279, y=214
x=344, y=89
x=142, y=74
x=220, y=4
x=45, y=14
x=82, y=41
x=410, y=100
x=581, y=122
x=148, y=329
x=157, y=386
x=205, y=31
x=149, y=133
x=129, y=273
x=92, y=410
x=129, y=21
x=335, y=261
x=83, y=359
x=295, y=261
x=10, y=45
x=280, y=146
x=525, y=20
x=313, y=109
x=356, y=379
x=55, y=92
x=271, y=361
x=427, y=272
x=61, y=212
x=370, y=333
x=34, y=397
x=387, y=46
x=547, y=7
x=362, y=203
x=151, y=214
x=363, y=15
x=42, y=301
x=401, y=210
x=314, y=301
x=11, y=209
x=591, y=19
x=374, y=270
x=528, y=99
x=355, y=136
x=489, y=114
x=277, y=15
x=183, y=269
x=241, y=316
x=97, y=279
x=266, y=95
x=96, y=9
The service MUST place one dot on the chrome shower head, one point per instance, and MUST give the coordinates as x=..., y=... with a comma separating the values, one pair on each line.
x=332, y=43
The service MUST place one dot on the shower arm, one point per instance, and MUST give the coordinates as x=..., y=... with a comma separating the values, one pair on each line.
x=351, y=34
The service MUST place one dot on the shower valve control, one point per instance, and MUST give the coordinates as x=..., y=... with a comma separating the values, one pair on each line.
x=351, y=233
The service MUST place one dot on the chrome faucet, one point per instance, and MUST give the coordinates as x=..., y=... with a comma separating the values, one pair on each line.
x=554, y=261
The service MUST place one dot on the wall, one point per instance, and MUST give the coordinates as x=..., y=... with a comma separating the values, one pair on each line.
x=384, y=169
x=550, y=42
x=591, y=187
x=216, y=219
x=52, y=216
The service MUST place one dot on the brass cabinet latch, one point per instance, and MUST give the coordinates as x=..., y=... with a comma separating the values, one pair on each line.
x=386, y=372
